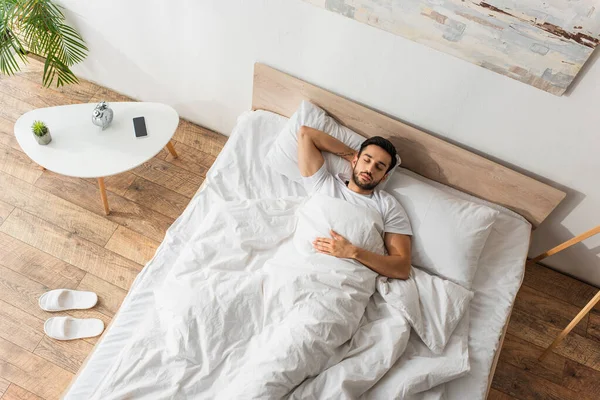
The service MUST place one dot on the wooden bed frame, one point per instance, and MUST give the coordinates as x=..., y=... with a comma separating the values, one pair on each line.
x=421, y=152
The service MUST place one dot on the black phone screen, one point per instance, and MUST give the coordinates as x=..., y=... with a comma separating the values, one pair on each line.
x=139, y=126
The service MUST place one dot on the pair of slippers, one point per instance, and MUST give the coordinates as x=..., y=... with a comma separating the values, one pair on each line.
x=69, y=328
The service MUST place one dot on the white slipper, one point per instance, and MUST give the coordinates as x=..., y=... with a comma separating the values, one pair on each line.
x=66, y=299
x=68, y=328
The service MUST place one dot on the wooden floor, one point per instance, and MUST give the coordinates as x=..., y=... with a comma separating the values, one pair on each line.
x=53, y=234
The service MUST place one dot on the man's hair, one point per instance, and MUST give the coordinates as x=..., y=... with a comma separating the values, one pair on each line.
x=384, y=144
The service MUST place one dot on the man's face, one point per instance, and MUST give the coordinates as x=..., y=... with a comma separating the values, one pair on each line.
x=369, y=169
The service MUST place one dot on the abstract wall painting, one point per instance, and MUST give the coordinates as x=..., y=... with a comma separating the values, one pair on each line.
x=540, y=43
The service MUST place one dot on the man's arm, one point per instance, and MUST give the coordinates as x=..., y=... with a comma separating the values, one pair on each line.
x=395, y=265
x=311, y=142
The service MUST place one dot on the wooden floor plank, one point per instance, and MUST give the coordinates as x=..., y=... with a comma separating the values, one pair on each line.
x=83, y=92
x=79, y=93
x=558, y=285
x=524, y=385
x=32, y=64
x=157, y=197
x=21, y=292
x=105, y=94
x=110, y=296
x=34, y=93
x=7, y=134
x=574, y=347
x=12, y=108
x=17, y=164
x=555, y=368
x=199, y=138
x=3, y=386
x=170, y=176
x=594, y=325
x=31, y=372
x=38, y=265
x=524, y=355
x=72, y=218
x=549, y=309
x=190, y=159
x=16, y=392
x=20, y=328
x=580, y=378
x=124, y=212
x=68, y=355
x=132, y=245
x=117, y=183
x=71, y=248
x=498, y=395
x=5, y=210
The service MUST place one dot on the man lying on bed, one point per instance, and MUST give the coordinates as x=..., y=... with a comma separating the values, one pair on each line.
x=370, y=166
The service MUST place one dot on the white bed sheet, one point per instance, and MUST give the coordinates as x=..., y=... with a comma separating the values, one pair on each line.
x=239, y=173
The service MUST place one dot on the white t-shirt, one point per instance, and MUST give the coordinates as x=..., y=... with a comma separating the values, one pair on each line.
x=394, y=217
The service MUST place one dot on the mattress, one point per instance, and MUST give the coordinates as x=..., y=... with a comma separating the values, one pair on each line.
x=240, y=173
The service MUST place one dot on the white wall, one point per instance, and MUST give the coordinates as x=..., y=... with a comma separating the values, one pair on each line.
x=198, y=56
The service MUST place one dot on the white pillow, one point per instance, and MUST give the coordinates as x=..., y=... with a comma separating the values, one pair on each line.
x=433, y=306
x=283, y=156
x=449, y=233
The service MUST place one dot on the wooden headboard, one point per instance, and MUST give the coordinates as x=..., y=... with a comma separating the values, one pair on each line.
x=420, y=152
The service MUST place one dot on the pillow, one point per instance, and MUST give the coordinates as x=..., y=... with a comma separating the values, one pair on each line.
x=449, y=233
x=432, y=306
x=283, y=156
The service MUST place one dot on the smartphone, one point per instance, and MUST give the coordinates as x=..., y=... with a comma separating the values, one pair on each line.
x=139, y=126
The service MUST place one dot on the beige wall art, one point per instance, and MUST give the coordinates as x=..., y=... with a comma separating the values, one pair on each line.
x=540, y=43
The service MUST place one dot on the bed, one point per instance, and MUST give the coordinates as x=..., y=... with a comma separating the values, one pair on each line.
x=239, y=173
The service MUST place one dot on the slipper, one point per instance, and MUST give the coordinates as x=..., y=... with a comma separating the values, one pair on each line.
x=68, y=328
x=66, y=299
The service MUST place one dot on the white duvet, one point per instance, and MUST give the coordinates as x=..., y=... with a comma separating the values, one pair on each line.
x=250, y=310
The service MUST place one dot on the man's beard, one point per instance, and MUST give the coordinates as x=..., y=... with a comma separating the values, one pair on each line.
x=364, y=186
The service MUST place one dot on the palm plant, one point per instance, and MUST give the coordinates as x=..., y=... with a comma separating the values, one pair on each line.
x=37, y=27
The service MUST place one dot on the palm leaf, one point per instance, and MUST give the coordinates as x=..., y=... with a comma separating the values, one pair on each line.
x=10, y=46
x=55, y=67
x=73, y=47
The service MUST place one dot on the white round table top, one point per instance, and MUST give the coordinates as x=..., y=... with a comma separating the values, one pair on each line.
x=81, y=149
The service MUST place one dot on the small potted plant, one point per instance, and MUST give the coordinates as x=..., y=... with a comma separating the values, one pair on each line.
x=41, y=132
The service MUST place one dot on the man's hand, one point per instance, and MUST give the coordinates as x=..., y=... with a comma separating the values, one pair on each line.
x=339, y=246
x=396, y=264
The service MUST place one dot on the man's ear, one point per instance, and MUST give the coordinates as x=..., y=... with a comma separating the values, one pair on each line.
x=387, y=174
x=354, y=160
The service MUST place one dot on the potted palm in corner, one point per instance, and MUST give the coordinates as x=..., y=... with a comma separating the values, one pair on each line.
x=41, y=132
x=38, y=28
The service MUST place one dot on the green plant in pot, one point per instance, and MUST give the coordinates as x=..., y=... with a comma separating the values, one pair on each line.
x=37, y=27
x=41, y=132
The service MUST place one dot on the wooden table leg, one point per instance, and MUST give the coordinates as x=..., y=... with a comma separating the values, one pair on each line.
x=572, y=325
x=171, y=149
x=103, y=195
